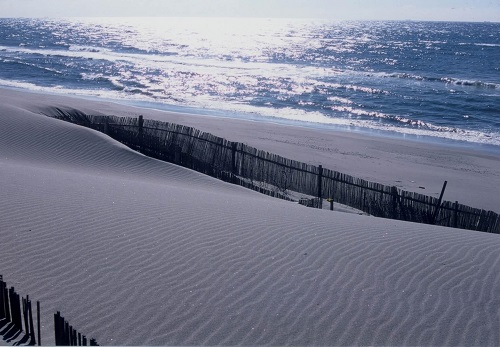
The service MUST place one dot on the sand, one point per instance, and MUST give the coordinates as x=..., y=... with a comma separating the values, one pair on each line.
x=134, y=251
x=473, y=174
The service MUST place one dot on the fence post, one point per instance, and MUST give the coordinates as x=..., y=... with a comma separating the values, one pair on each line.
x=105, y=127
x=2, y=301
x=25, y=315
x=8, y=315
x=17, y=305
x=57, y=329
x=233, y=162
x=67, y=333
x=140, y=123
x=438, y=206
x=330, y=200
x=455, y=214
x=320, y=185
x=395, y=202
x=38, y=322
x=15, y=308
x=30, y=319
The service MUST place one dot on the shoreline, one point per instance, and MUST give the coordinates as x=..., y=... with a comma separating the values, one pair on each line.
x=409, y=164
x=255, y=117
x=137, y=251
x=252, y=117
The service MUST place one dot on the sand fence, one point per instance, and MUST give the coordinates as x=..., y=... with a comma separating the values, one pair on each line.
x=277, y=176
x=16, y=322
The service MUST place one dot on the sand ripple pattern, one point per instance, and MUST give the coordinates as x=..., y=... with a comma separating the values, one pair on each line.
x=135, y=251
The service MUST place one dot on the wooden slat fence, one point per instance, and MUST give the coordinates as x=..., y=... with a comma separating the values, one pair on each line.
x=275, y=175
x=11, y=312
x=66, y=335
x=17, y=311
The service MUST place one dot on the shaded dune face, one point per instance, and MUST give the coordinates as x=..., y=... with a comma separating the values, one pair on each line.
x=135, y=251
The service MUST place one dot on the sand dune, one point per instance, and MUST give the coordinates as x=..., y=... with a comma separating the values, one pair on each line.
x=135, y=251
x=420, y=166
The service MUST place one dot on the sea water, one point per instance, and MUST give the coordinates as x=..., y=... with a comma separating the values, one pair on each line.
x=431, y=80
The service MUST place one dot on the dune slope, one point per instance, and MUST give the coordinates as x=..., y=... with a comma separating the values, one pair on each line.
x=135, y=251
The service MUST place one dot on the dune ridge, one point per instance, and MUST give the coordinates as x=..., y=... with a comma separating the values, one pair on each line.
x=135, y=251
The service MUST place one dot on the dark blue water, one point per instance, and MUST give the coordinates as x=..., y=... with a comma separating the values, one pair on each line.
x=420, y=78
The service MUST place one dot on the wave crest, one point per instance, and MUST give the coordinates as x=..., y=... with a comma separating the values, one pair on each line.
x=447, y=80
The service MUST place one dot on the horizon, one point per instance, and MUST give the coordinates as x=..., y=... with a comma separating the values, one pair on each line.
x=363, y=10
x=255, y=17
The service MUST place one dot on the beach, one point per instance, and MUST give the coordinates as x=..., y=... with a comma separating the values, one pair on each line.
x=422, y=166
x=135, y=251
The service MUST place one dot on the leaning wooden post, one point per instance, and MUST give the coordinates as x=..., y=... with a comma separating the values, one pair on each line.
x=233, y=161
x=438, y=206
x=38, y=322
x=140, y=123
x=320, y=185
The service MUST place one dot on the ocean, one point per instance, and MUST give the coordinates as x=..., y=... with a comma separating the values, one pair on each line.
x=424, y=80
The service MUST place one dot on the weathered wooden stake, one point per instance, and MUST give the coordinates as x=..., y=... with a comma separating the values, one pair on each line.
x=73, y=337
x=57, y=329
x=395, y=197
x=438, y=206
x=2, y=301
x=30, y=319
x=15, y=309
x=38, y=322
x=140, y=123
x=320, y=185
x=67, y=333
x=455, y=215
x=330, y=200
x=105, y=129
x=8, y=316
x=233, y=161
x=25, y=315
